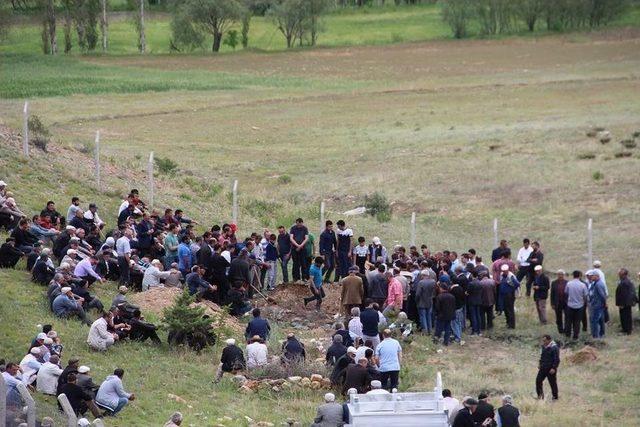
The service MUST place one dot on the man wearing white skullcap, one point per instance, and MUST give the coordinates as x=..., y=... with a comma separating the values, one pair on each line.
x=330, y=413
x=376, y=388
x=232, y=360
x=30, y=366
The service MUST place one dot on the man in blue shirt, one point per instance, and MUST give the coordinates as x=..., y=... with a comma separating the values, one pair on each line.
x=271, y=259
x=597, y=303
x=315, y=283
x=389, y=354
x=184, y=256
x=327, y=248
x=258, y=326
x=65, y=306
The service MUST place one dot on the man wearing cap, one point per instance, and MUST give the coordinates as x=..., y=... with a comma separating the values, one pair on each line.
x=577, y=294
x=84, y=380
x=340, y=366
x=91, y=216
x=625, y=299
x=99, y=337
x=65, y=305
x=231, y=360
x=377, y=252
x=541, y=293
x=257, y=353
x=376, y=388
x=389, y=354
x=559, y=299
x=352, y=290
x=335, y=351
x=330, y=414
x=464, y=417
x=153, y=275
x=120, y=297
x=597, y=303
x=508, y=285
x=72, y=367
x=48, y=374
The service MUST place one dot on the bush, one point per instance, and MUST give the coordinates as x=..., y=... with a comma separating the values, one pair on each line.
x=231, y=39
x=284, y=179
x=166, y=165
x=188, y=325
x=597, y=176
x=38, y=133
x=457, y=14
x=377, y=205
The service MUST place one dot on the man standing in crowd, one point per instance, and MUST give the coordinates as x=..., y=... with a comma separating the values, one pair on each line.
x=123, y=248
x=559, y=300
x=497, y=252
x=425, y=290
x=523, y=264
x=508, y=415
x=352, y=291
x=488, y=300
x=299, y=234
x=540, y=293
x=327, y=247
x=345, y=246
x=577, y=294
x=507, y=290
x=284, y=252
x=548, y=367
x=389, y=354
x=597, y=303
x=625, y=300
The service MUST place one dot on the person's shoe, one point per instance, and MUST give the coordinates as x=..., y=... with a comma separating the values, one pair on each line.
x=306, y=301
x=461, y=342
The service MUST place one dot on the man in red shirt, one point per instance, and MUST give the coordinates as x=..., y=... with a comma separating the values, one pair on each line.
x=394, y=295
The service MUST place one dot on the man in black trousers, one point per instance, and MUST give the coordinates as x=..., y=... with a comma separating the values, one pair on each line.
x=625, y=300
x=548, y=367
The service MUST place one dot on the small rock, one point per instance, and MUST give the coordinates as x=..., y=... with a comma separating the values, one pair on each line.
x=249, y=420
x=316, y=377
x=316, y=385
x=294, y=379
x=264, y=424
x=326, y=383
x=276, y=389
x=305, y=382
x=239, y=379
x=246, y=390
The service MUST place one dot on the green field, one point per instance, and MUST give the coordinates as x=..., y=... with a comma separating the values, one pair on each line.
x=460, y=132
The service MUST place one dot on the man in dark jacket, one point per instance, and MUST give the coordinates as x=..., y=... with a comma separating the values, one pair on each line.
x=488, y=300
x=446, y=313
x=378, y=286
x=464, y=417
x=625, y=300
x=508, y=415
x=293, y=350
x=335, y=351
x=327, y=247
x=339, y=369
x=232, y=360
x=548, y=367
x=357, y=376
x=42, y=272
x=9, y=254
x=425, y=290
x=141, y=330
x=239, y=269
x=370, y=318
x=483, y=411
x=540, y=293
x=559, y=299
x=258, y=326
x=474, y=303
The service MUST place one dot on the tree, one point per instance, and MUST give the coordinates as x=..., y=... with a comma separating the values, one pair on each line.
x=214, y=17
x=457, y=13
x=316, y=8
x=104, y=25
x=530, y=11
x=289, y=16
x=231, y=39
x=183, y=34
x=138, y=22
x=188, y=325
x=68, y=21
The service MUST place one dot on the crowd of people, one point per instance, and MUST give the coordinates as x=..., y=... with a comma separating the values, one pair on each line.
x=386, y=294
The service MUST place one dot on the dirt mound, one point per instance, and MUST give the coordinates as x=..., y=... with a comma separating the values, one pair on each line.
x=155, y=300
x=289, y=307
x=584, y=355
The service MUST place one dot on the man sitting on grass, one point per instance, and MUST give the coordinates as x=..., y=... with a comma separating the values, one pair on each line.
x=111, y=394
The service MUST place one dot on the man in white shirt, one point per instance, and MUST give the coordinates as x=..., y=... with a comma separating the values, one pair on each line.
x=153, y=274
x=30, y=366
x=123, y=248
x=92, y=215
x=451, y=404
x=47, y=378
x=257, y=353
x=523, y=264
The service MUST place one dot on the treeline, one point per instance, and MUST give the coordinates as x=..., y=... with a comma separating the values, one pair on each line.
x=489, y=17
x=199, y=23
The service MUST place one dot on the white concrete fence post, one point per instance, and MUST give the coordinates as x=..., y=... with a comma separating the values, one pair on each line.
x=234, y=212
x=322, y=206
x=413, y=228
x=151, y=180
x=25, y=132
x=590, y=243
x=495, y=232
x=97, y=161
x=72, y=419
x=31, y=404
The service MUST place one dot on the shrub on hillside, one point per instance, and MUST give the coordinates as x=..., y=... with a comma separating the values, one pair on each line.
x=165, y=165
x=188, y=325
x=377, y=205
x=39, y=134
